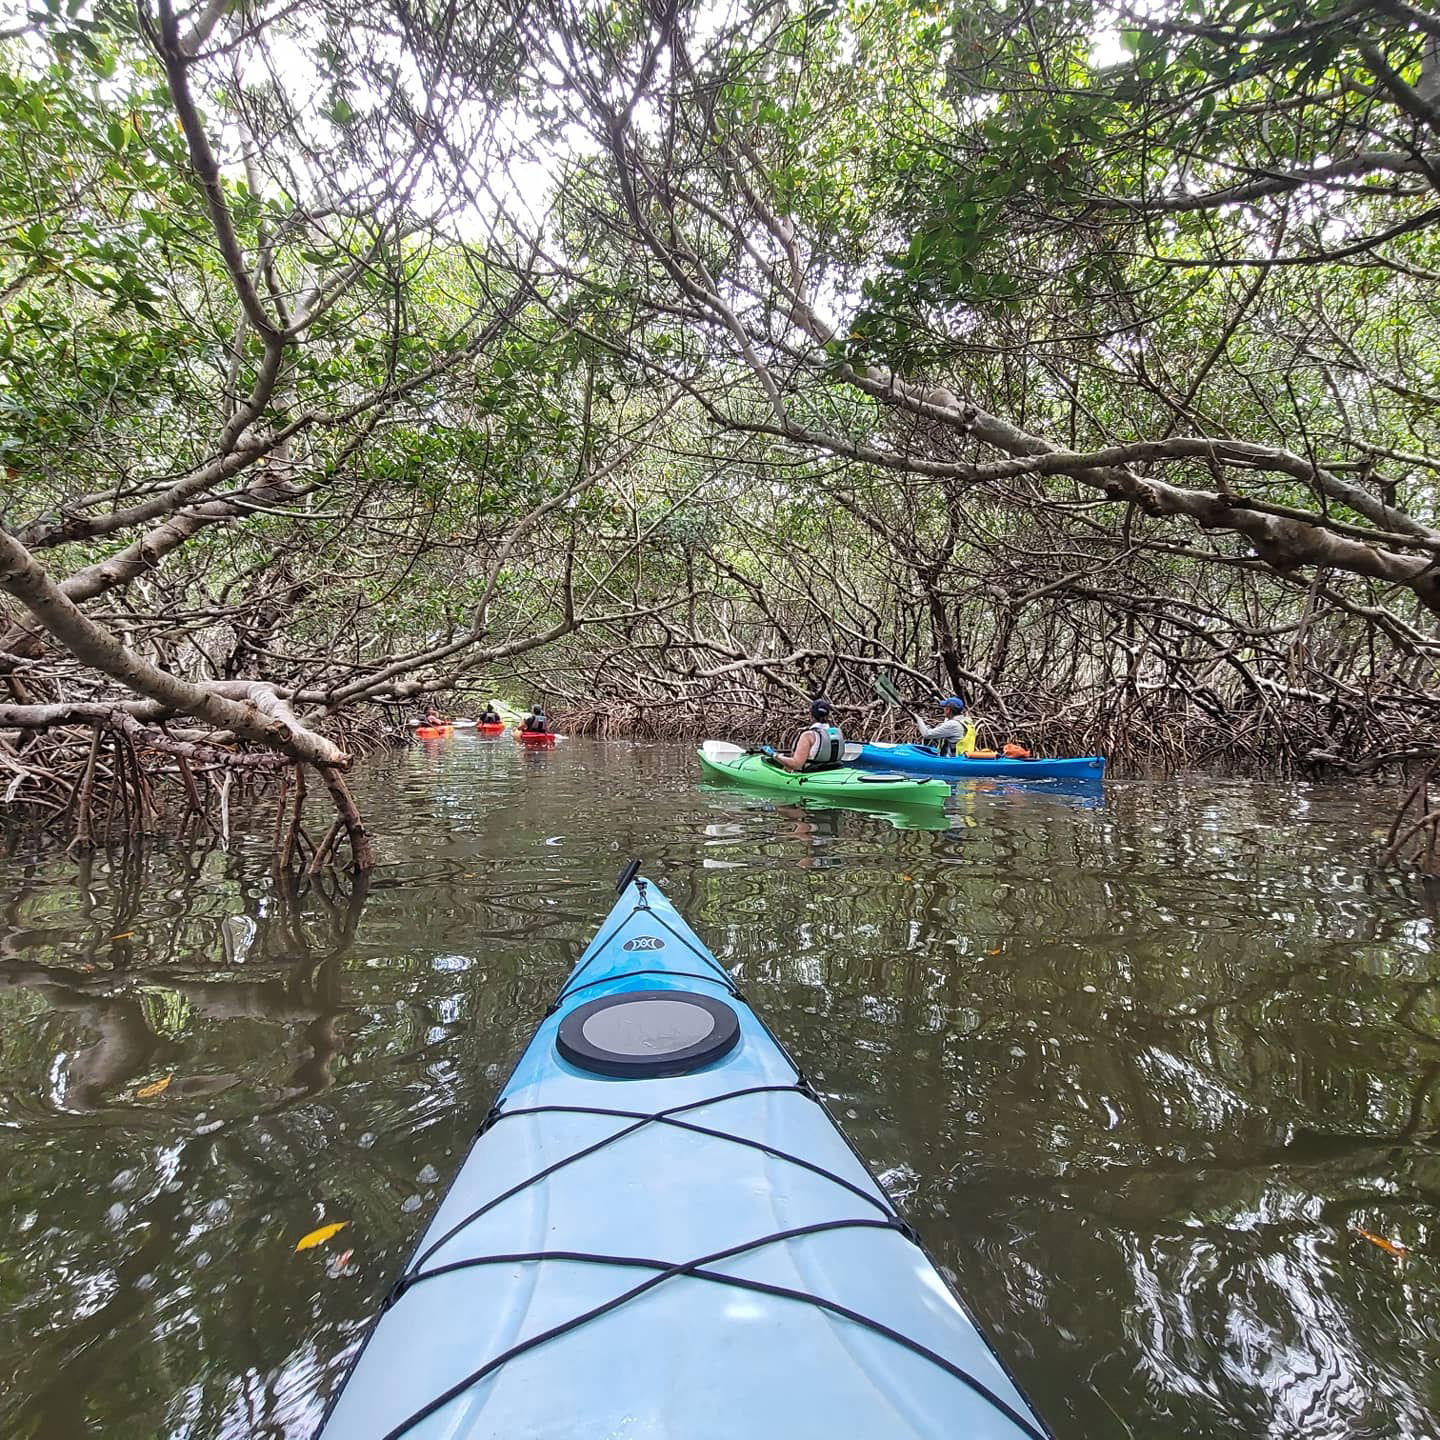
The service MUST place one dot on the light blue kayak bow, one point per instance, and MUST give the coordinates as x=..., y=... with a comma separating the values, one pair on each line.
x=660, y=1234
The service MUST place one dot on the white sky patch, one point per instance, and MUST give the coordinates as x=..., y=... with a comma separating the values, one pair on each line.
x=1107, y=49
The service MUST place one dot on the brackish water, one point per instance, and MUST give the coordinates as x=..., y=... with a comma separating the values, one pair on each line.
x=1141, y=1069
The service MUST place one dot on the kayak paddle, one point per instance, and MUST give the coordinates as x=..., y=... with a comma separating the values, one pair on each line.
x=887, y=692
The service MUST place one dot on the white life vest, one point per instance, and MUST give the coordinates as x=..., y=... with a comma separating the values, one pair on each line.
x=829, y=746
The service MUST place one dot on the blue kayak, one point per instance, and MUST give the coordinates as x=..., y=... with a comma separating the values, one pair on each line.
x=924, y=760
x=660, y=1234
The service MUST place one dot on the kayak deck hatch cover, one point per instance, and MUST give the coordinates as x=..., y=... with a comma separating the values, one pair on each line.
x=660, y=1234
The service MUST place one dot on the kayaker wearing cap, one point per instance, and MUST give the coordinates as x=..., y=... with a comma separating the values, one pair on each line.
x=818, y=746
x=535, y=722
x=952, y=732
x=491, y=715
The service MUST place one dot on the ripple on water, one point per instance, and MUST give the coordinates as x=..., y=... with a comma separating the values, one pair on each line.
x=1146, y=1066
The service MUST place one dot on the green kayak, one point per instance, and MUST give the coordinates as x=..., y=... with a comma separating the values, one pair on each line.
x=729, y=762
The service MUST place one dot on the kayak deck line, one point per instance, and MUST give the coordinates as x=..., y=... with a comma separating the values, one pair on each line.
x=666, y=1269
x=641, y=1118
x=721, y=976
x=667, y=1117
x=731, y=989
x=695, y=1269
x=589, y=1257
x=878, y=1215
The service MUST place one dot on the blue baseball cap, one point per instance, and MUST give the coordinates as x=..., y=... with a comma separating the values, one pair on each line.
x=952, y=702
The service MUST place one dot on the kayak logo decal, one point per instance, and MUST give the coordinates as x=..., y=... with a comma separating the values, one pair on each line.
x=645, y=942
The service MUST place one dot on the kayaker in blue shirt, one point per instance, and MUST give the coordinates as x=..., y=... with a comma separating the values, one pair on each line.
x=818, y=746
x=952, y=732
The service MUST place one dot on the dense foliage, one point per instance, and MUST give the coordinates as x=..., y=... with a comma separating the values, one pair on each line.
x=673, y=363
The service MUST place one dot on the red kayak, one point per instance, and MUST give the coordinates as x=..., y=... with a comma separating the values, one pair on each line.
x=534, y=737
x=490, y=729
x=433, y=732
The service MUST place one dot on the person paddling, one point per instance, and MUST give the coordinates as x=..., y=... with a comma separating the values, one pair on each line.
x=491, y=715
x=952, y=733
x=535, y=722
x=432, y=717
x=820, y=745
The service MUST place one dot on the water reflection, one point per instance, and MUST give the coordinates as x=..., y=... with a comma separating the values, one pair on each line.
x=1083, y=794
x=1153, y=1071
x=916, y=817
x=140, y=995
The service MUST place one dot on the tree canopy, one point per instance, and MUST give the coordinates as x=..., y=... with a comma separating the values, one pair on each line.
x=677, y=361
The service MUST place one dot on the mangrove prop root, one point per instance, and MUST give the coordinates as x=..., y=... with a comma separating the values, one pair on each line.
x=360, y=852
x=84, y=836
x=110, y=774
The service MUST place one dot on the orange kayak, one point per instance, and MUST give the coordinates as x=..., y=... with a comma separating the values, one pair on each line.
x=532, y=737
x=490, y=729
x=433, y=732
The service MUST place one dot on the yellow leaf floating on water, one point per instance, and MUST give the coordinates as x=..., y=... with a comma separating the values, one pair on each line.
x=995, y=951
x=320, y=1236
x=149, y=1092
x=1388, y=1246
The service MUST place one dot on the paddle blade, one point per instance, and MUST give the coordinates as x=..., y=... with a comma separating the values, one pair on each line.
x=722, y=752
x=886, y=691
